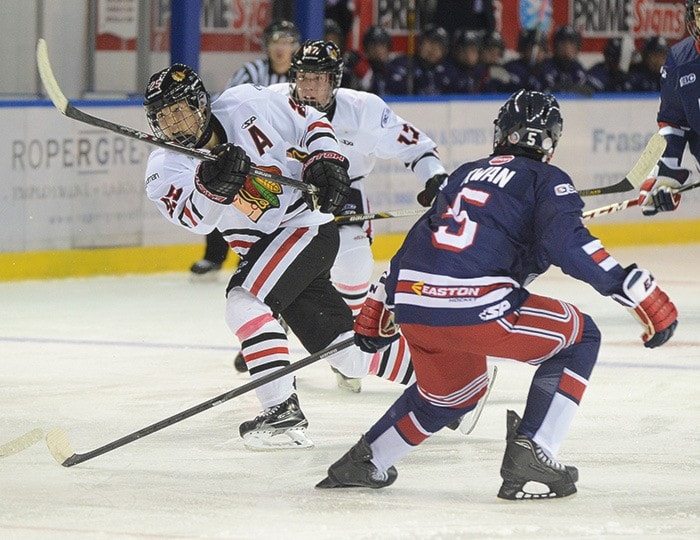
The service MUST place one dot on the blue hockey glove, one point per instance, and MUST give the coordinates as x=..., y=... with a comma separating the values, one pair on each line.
x=657, y=192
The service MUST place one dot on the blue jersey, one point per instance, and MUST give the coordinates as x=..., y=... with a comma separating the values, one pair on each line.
x=495, y=225
x=523, y=74
x=680, y=94
x=562, y=76
x=604, y=79
x=428, y=79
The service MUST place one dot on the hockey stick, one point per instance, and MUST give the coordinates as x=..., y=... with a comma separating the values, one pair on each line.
x=622, y=205
x=640, y=172
x=21, y=443
x=352, y=218
x=67, y=109
x=411, y=44
x=635, y=178
x=63, y=453
x=469, y=420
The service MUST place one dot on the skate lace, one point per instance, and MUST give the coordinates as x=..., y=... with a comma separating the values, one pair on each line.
x=544, y=458
x=270, y=411
x=273, y=411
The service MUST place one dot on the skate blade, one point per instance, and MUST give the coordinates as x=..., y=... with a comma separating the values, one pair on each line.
x=327, y=483
x=209, y=277
x=517, y=492
x=349, y=384
x=276, y=440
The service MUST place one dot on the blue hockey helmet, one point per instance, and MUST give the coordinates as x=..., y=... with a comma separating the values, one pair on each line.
x=529, y=123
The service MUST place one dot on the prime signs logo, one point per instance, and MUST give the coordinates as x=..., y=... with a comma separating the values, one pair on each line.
x=641, y=18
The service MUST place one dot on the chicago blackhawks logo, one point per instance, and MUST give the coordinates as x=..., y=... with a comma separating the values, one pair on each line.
x=258, y=195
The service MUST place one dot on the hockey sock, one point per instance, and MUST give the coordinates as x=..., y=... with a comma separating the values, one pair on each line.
x=407, y=423
x=394, y=363
x=265, y=351
x=557, y=389
x=353, y=295
x=263, y=343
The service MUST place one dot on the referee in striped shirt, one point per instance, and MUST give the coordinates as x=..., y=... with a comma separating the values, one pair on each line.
x=281, y=39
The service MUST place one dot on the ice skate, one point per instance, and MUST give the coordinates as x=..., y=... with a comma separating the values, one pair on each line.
x=347, y=383
x=355, y=469
x=524, y=461
x=204, y=270
x=281, y=426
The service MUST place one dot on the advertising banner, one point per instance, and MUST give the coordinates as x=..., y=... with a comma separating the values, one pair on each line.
x=67, y=185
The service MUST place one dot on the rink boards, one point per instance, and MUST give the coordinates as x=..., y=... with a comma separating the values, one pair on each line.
x=73, y=202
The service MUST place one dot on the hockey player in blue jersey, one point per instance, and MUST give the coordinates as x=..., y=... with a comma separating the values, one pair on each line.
x=678, y=118
x=457, y=289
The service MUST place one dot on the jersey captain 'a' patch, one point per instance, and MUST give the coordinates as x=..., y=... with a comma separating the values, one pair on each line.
x=601, y=257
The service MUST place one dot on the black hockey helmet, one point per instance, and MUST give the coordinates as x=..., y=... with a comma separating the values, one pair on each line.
x=655, y=44
x=175, y=84
x=567, y=33
x=436, y=33
x=278, y=29
x=376, y=34
x=529, y=123
x=332, y=28
x=464, y=37
x=528, y=38
x=493, y=40
x=317, y=57
x=692, y=18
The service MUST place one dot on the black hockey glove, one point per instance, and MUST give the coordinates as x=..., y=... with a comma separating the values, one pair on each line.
x=328, y=171
x=221, y=180
x=427, y=196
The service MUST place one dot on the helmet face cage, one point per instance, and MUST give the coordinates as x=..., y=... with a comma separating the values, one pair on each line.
x=692, y=18
x=178, y=107
x=317, y=57
x=529, y=123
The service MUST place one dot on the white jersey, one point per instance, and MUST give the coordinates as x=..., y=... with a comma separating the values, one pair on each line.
x=368, y=129
x=266, y=125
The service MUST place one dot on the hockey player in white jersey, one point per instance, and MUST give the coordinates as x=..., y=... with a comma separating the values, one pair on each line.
x=285, y=242
x=367, y=129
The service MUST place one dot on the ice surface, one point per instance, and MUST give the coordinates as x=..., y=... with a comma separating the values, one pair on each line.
x=104, y=357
